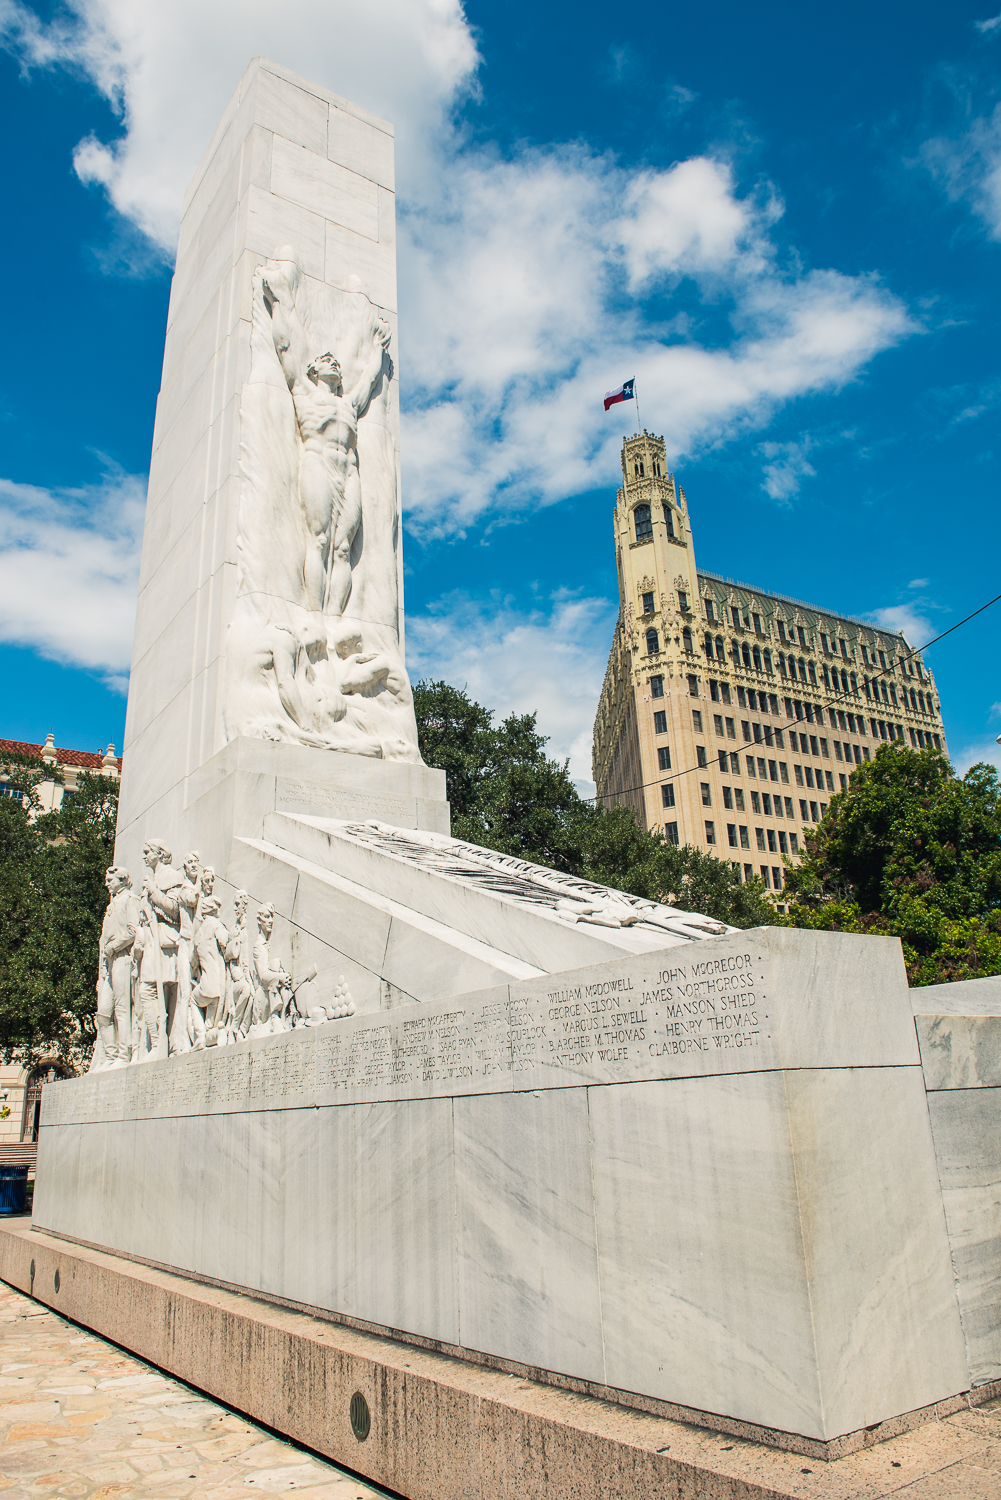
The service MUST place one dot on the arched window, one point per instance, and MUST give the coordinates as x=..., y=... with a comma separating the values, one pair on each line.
x=652, y=643
x=643, y=523
x=735, y=653
x=668, y=519
x=827, y=677
x=782, y=664
x=686, y=639
x=854, y=681
x=802, y=670
x=813, y=674
x=709, y=646
x=745, y=652
x=33, y=1099
x=768, y=662
x=921, y=700
x=720, y=649
x=757, y=659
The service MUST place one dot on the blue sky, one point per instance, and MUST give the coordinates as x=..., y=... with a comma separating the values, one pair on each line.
x=785, y=221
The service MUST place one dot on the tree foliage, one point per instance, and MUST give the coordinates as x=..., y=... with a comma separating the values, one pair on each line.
x=52, y=901
x=914, y=851
x=506, y=794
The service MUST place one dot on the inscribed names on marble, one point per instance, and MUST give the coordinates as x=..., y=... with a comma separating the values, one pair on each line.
x=705, y=1010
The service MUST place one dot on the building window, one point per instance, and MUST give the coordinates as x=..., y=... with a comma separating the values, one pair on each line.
x=745, y=838
x=669, y=522
x=664, y=757
x=734, y=764
x=756, y=803
x=671, y=832
x=731, y=730
x=724, y=767
x=757, y=624
x=683, y=601
x=686, y=640
x=804, y=811
x=643, y=523
x=745, y=652
x=764, y=876
x=777, y=877
x=731, y=835
x=710, y=612
x=656, y=687
x=707, y=796
x=648, y=606
x=727, y=797
x=710, y=832
x=738, y=797
x=660, y=722
x=652, y=643
x=667, y=794
x=794, y=843
x=756, y=654
x=33, y=1099
x=759, y=837
x=696, y=721
x=767, y=655
x=700, y=755
x=773, y=847
x=783, y=843
x=802, y=637
x=782, y=629
x=814, y=814
x=693, y=687
x=718, y=724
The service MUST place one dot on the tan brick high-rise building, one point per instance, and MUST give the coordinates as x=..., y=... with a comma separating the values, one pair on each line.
x=729, y=715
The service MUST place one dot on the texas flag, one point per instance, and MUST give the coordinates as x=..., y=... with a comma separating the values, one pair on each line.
x=624, y=393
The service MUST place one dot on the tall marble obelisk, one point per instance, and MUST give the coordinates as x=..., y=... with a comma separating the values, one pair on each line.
x=268, y=647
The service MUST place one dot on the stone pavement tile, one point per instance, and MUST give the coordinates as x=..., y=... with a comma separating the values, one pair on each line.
x=81, y=1421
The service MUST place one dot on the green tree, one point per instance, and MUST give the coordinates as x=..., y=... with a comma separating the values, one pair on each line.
x=52, y=902
x=507, y=794
x=912, y=850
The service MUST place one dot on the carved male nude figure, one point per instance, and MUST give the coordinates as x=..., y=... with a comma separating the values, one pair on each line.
x=329, y=484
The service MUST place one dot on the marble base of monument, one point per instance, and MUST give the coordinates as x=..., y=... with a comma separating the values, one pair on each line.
x=702, y=1175
x=445, y=1426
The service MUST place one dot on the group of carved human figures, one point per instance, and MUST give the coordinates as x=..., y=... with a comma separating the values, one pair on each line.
x=173, y=978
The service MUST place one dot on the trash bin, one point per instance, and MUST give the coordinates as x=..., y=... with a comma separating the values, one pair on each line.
x=13, y=1188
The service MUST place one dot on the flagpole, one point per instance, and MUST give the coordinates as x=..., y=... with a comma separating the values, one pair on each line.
x=637, y=400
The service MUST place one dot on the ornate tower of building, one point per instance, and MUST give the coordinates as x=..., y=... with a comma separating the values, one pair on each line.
x=730, y=715
x=644, y=718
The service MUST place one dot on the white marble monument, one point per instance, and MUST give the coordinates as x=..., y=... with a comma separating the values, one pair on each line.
x=413, y=1084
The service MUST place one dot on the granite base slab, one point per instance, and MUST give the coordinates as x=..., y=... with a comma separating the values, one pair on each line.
x=440, y=1425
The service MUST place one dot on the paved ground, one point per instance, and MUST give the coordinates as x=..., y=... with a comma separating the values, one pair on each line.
x=81, y=1419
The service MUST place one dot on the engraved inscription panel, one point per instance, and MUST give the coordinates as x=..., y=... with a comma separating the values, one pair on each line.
x=339, y=802
x=669, y=1014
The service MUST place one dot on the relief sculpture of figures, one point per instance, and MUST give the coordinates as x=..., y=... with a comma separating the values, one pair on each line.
x=313, y=649
x=157, y=940
x=329, y=484
x=113, y=1046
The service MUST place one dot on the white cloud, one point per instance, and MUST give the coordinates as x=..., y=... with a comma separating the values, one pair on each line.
x=971, y=754
x=968, y=166
x=69, y=571
x=550, y=660
x=986, y=27
x=910, y=618
x=522, y=294
x=918, y=583
x=788, y=466
x=169, y=69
